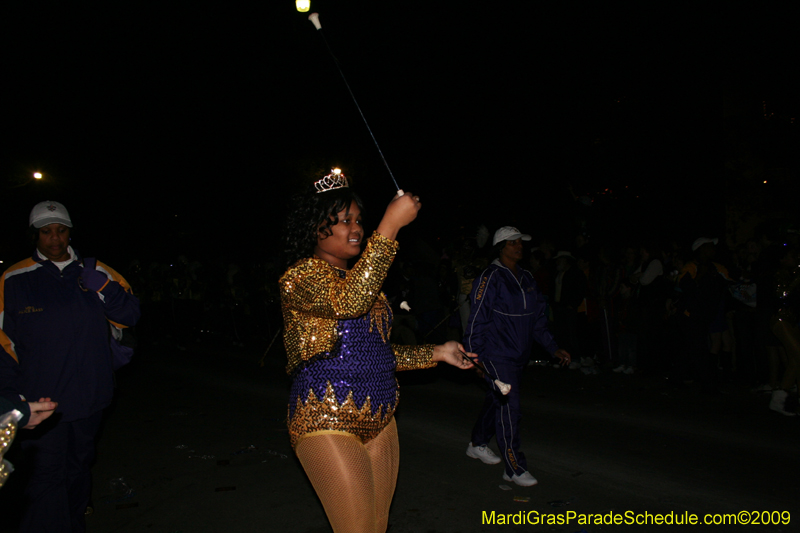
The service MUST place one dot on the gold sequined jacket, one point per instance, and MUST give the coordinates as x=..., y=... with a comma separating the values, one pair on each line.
x=314, y=297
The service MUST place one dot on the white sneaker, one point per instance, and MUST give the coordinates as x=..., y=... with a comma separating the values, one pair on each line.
x=620, y=368
x=778, y=402
x=483, y=453
x=524, y=479
x=628, y=370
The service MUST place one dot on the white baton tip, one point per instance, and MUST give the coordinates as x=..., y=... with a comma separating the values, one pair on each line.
x=404, y=306
x=314, y=18
x=400, y=192
x=505, y=388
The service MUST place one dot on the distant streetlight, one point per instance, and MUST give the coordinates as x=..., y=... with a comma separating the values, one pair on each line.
x=303, y=5
x=26, y=177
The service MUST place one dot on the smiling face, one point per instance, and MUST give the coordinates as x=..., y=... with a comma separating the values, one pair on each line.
x=53, y=242
x=344, y=242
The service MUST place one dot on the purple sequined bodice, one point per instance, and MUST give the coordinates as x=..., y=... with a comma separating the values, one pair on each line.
x=361, y=362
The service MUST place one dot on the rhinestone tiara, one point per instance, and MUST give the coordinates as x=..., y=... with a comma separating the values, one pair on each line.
x=334, y=180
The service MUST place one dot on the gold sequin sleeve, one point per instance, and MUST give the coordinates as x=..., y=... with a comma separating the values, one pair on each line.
x=314, y=297
x=413, y=357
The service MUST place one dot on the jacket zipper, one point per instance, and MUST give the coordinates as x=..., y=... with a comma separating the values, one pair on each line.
x=524, y=300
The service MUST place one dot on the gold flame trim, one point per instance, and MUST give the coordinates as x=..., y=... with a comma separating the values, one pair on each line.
x=328, y=414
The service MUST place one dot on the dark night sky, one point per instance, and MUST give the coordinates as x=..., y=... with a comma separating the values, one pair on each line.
x=183, y=127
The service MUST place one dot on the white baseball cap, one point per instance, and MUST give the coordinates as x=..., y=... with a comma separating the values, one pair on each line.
x=49, y=212
x=703, y=240
x=509, y=233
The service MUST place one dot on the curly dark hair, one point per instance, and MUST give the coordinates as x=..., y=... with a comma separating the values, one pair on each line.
x=310, y=213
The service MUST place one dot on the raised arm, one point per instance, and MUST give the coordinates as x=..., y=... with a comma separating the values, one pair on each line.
x=314, y=287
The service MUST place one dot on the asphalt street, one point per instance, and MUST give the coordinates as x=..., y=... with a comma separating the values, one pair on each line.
x=196, y=442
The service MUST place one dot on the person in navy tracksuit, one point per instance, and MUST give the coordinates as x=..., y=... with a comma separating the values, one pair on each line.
x=55, y=320
x=507, y=315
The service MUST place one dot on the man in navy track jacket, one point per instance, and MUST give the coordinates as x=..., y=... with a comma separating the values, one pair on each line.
x=507, y=315
x=55, y=325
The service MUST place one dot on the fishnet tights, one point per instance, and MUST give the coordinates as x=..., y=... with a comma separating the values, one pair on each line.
x=354, y=481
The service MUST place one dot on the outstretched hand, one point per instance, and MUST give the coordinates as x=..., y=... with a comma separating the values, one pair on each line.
x=40, y=411
x=564, y=357
x=451, y=353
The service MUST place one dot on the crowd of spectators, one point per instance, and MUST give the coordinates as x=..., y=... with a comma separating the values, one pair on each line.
x=683, y=311
x=188, y=302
